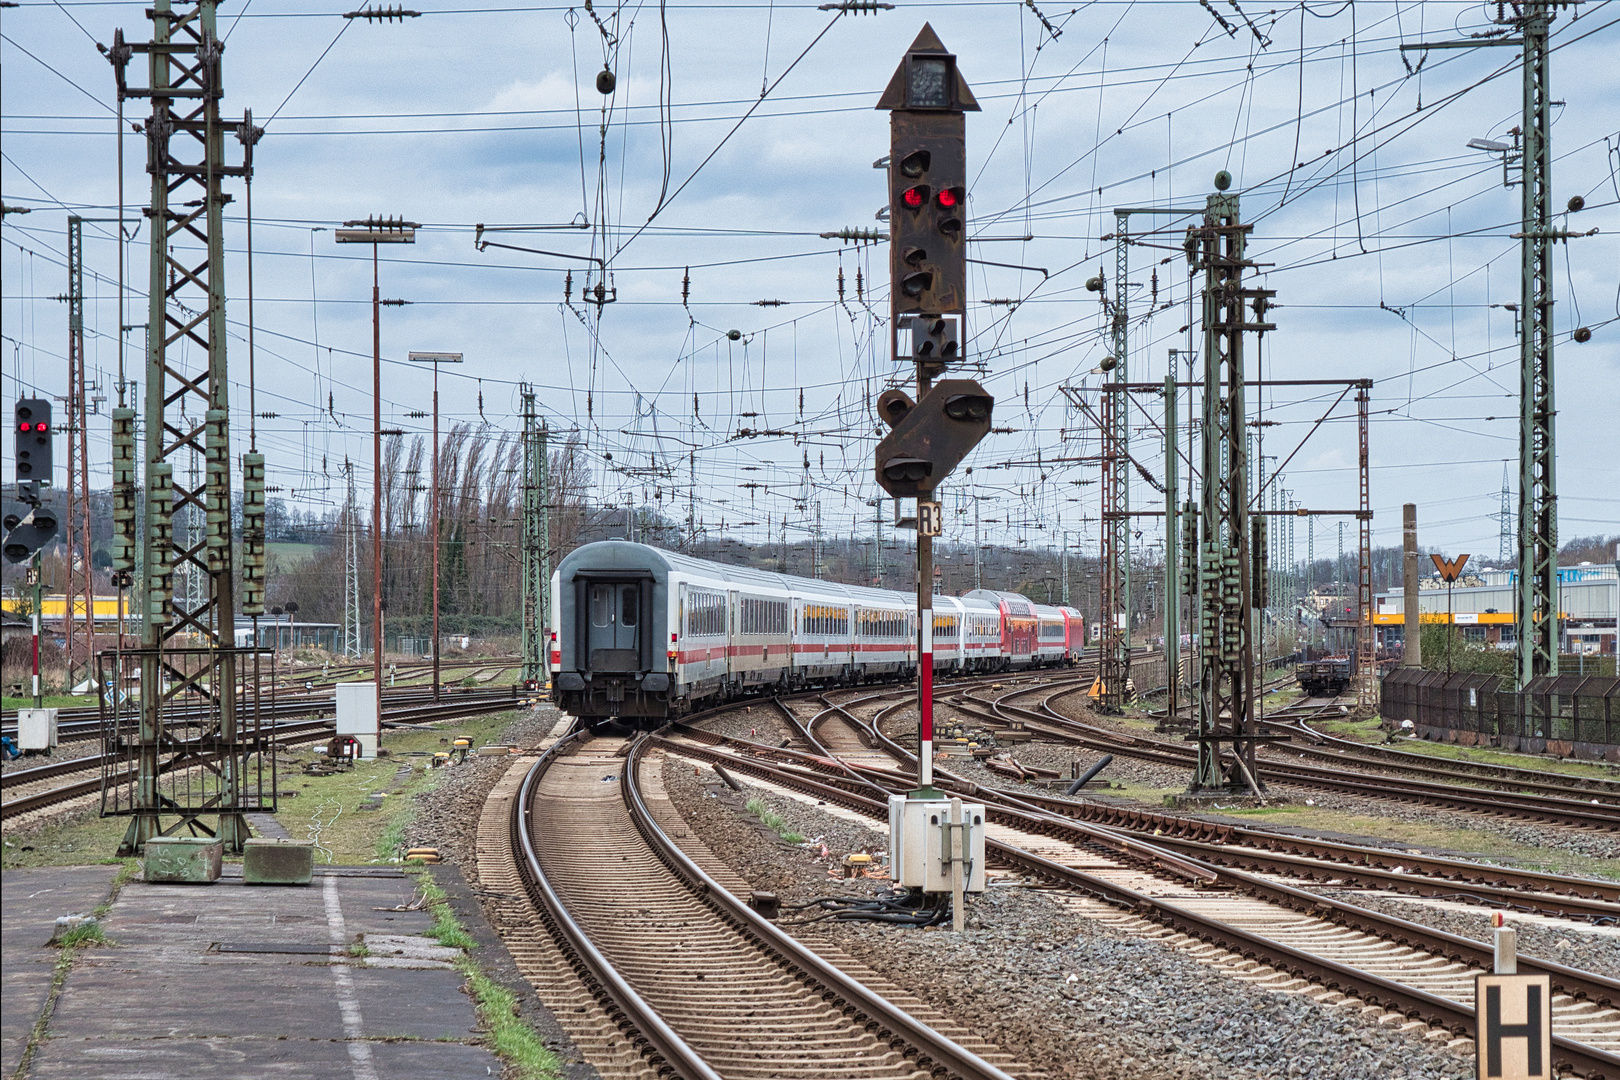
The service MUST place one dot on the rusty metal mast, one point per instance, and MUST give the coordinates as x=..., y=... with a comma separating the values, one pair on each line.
x=188, y=660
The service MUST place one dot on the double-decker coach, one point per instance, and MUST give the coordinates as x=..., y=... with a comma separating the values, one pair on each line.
x=1018, y=626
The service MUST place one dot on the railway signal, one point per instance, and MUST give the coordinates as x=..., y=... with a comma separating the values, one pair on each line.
x=31, y=431
x=927, y=98
x=27, y=534
x=932, y=437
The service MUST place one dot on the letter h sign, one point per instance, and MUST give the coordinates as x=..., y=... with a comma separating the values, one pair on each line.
x=1514, y=1038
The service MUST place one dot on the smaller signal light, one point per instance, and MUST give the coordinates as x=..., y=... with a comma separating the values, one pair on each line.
x=914, y=197
x=949, y=198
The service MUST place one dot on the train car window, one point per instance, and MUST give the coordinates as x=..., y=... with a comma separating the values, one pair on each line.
x=632, y=599
x=601, y=605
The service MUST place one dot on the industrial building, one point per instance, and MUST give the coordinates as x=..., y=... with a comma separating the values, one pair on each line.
x=1588, y=601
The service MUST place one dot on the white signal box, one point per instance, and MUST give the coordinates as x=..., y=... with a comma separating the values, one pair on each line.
x=357, y=715
x=36, y=729
x=924, y=846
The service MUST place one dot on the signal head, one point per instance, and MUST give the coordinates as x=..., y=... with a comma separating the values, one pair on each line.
x=913, y=198
x=915, y=163
x=973, y=408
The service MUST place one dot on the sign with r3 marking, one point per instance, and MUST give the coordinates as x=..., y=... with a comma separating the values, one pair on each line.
x=930, y=518
x=1514, y=1038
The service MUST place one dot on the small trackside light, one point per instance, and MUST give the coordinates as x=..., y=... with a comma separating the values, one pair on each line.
x=950, y=198
x=913, y=197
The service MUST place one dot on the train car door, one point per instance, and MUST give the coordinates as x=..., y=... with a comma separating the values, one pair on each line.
x=733, y=628
x=613, y=626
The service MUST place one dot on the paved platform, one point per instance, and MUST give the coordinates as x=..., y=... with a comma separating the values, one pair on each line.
x=226, y=980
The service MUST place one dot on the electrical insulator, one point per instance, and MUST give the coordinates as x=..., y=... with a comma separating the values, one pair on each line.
x=1259, y=592
x=123, y=491
x=253, y=507
x=160, y=527
x=217, y=500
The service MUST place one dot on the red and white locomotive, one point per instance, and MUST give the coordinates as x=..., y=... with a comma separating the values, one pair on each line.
x=646, y=634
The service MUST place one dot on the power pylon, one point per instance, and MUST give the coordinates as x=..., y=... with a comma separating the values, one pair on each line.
x=1504, y=517
x=353, y=636
x=195, y=701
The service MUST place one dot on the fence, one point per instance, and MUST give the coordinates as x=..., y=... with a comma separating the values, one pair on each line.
x=1568, y=715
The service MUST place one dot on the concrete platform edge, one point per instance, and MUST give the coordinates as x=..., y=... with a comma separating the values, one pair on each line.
x=492, y=956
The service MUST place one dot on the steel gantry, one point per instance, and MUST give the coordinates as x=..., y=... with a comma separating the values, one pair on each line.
x=188, y=747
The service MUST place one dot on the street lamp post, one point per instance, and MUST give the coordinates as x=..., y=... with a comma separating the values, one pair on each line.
x=435, y=358
x=374, y=231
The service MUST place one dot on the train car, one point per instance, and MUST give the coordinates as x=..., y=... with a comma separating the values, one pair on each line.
x=949, y=652
x=1074, y=635
x=644, y=635
x=1018, y=627
x=885, y=633
x=1324, y=678
x=1051, y=635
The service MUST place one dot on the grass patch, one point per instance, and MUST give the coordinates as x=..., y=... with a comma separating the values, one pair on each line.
x=510, y=1036
x=772, y=820
x=1370, y=731
x=50, y=701
x=446, y=928
x=84, y=934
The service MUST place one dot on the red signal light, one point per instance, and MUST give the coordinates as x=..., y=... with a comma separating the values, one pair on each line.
x=25, y=426
x=914, y=197
x=949, y=198
x=42, y=426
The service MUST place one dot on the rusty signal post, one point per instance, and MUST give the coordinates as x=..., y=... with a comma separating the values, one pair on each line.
x=927, y=100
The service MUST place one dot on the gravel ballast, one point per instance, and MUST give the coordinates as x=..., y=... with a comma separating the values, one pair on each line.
x=447, y=813
x=1064, y=992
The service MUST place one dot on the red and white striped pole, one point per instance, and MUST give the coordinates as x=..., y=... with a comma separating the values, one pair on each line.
x=925, y=676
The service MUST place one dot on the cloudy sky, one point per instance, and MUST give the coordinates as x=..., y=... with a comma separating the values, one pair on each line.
x=1386, y=238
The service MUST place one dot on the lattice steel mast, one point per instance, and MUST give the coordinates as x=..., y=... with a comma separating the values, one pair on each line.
x=1226, y=690
x=81, y=574
x=1536, y=594
x=536, y=539
x=187, y=658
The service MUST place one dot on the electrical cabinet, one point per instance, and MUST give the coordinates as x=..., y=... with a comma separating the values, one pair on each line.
x=920, y=846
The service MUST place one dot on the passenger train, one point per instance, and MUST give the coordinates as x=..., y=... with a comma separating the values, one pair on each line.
x=648, y=635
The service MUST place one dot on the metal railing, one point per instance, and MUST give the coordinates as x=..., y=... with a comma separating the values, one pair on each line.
x=1575, y=715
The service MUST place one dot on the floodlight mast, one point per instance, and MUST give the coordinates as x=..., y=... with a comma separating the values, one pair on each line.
x=375, y=231
x=435, y=358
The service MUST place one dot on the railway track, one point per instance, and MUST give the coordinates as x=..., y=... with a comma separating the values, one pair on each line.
x=1402, y=967
x=31, y=797
x=678, y=962
x=1583, y=810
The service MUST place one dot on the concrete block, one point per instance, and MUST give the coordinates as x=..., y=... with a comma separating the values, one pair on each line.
x=267, y=861
x=494, y=751
x=194, y=860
